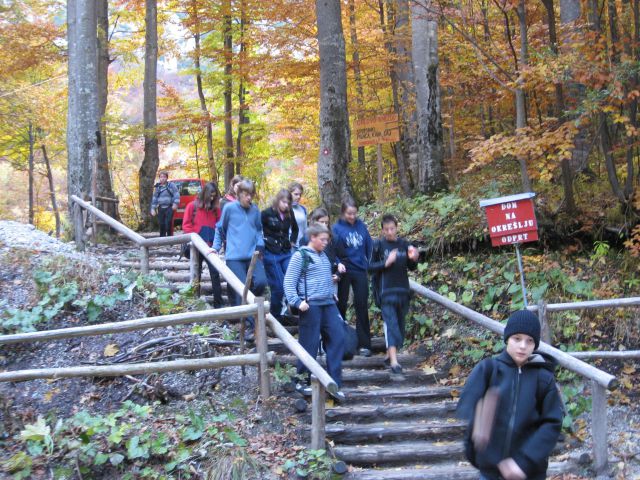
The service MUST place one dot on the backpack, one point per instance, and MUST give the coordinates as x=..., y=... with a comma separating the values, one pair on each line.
x=306, y=259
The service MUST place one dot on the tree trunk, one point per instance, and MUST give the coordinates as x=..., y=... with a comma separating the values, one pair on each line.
x=405, y=104
x=242, y=89
x=401, y=157
x=425, y=63
x=213, y=171
x=149, y=167
x=521, y=113
x=229, y=168
x=335, y=150
x=82, y=125
x=565, y=166
x=52, y=190
x=31, y=168
x=356, y=71
x=103, y=174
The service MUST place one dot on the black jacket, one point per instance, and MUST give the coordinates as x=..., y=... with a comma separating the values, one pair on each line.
x=279, y=234
x=528, y=417
x=393, y=279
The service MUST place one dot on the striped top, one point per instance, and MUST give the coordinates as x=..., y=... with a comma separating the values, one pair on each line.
x=319, y=283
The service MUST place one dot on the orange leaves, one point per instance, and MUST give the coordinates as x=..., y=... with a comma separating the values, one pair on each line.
x=543, y=148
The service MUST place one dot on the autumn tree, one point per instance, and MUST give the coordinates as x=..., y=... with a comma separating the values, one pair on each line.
x=335, y=149
x=83, y=128
x=149, y=167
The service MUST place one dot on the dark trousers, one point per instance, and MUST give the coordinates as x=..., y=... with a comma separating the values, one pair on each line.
x=215, y=282
x=359, y=281
x=395, y=307
x=275, y=265
x=258, y=284
x=165, y=217
x=323, y=321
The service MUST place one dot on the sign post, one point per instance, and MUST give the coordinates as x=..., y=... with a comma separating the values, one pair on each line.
x=376, y=131
x=512, y=221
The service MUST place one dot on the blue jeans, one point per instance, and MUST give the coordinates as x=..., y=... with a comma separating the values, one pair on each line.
x=276, y=265
x=258, y=284
x=323, y=321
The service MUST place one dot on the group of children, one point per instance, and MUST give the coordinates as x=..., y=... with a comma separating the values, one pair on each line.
x=510, y=401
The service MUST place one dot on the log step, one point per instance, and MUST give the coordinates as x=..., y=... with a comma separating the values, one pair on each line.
x=400, y=452
x=170, y=265
x=376, y=413
x=399, y=395
x=444, y=471
x=384, y=377
x=437, y=430
x=451, y=471
x=373, y=362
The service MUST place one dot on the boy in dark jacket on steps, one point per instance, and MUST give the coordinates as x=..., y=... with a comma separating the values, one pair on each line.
x=513, y=407
x=391, y=258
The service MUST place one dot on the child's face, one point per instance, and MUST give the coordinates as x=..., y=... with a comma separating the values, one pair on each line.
x=520, y=347
x=390, y=231
x=319, y=242
x=283, y=205
x=350, y=215
x=296, y=195
x=244, y=198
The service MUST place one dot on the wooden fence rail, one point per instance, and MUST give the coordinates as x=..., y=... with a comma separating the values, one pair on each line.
x=134, y=368
x=322, y=381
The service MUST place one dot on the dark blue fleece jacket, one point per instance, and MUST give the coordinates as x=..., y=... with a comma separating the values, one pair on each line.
x=528, y=417
x=353, y=245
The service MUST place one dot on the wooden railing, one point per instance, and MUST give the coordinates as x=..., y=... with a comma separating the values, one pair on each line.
x=321, y=381
x=600, y=381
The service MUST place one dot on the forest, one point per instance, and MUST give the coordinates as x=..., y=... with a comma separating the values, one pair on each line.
x=418, y=108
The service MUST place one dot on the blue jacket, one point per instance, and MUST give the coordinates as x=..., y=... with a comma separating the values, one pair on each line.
x=353, y=245
x=241, y=229
x=528, y=416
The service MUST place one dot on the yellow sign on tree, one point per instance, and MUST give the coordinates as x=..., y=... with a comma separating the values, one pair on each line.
x=377, y=130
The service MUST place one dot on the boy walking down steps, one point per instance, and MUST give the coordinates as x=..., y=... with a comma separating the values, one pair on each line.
x=513, y=407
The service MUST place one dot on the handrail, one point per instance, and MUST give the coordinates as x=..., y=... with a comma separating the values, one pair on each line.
x=570, y=363
x=608, y=303
x=314, y=367
x=119, y=227
x=131, y=325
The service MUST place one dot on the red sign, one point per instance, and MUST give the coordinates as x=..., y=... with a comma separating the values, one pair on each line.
x=511, y=219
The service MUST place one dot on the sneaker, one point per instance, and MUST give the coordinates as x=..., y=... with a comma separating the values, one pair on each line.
x=396, y=369
x=339, y=396
x=364, y=352
x=304, y=390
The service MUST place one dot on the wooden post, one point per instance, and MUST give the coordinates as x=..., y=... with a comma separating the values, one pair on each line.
x=194, y=271
x=544, y=324
x=318, y=395
x=599, y=427
x=262, y=349
x=144, y=260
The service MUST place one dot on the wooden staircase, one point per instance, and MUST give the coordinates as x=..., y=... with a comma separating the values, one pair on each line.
x=391, y=427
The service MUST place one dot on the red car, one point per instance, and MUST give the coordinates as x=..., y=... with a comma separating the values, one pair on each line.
x=188, y=188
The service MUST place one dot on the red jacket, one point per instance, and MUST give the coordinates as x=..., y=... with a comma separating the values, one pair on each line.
x=203, y=222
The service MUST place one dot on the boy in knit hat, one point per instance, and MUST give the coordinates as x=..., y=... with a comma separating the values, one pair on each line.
x=513, y=407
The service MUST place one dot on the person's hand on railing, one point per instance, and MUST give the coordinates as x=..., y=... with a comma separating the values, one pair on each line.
x=212, y=251
x=304, y=306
